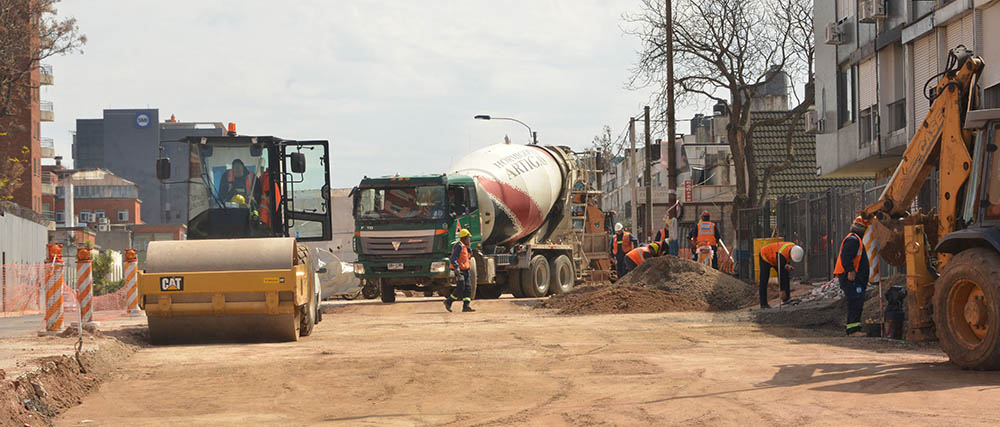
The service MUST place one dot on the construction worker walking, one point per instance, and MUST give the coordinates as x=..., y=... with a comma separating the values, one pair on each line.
x=706, y=234
x=636, y=256
x=852, y=271
x=777, y=256
x=461, y=262
x=621, y=244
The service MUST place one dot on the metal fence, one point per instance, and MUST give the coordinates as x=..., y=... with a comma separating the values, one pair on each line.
x=817, y=222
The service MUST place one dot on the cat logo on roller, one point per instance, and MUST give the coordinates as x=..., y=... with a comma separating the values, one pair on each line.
x=171, y=284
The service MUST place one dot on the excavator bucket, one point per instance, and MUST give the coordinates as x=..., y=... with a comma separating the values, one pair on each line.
x=889, y=233
x=224, y=290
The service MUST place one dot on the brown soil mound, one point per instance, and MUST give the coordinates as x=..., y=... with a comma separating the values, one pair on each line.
x=685, y=277
x=661, y=284
x=826, y=312
x=602, y=299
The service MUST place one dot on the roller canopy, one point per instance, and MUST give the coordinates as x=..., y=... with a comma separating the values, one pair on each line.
x=220, y=255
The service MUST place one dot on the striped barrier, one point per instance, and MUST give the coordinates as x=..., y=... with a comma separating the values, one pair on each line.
x=131, y=290
x=84, y=285
x=872, y=249
x=54, y=289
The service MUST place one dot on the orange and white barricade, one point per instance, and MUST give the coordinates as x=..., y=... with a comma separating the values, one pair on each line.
x=85, y=286
x=131, y=288
x=53, y=288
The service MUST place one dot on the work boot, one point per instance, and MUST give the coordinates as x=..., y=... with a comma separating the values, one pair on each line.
x=447, y=303
x=466, y=308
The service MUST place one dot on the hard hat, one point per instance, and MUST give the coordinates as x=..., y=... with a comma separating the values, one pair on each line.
x=655, y=247
x=239, y=199
x=619, y=227
x=705, y=215
x=464, y=233
x=797, y=253
x=861, y=222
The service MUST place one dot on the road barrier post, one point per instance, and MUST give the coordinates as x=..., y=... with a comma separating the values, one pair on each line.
x=53, y=289
x=131, y=290
x=85, y=286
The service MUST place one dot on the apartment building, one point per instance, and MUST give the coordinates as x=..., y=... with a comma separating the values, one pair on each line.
x=873, y=60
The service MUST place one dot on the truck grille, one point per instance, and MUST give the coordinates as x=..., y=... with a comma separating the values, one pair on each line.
x=389, y=245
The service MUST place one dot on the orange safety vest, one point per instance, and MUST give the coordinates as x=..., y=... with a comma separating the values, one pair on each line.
x=770, y=252
x=706, y=234
x=625, y=242
x=266, y=203
x=839, y=268
x=463, y=258
x=663, y=237
x=638, y=255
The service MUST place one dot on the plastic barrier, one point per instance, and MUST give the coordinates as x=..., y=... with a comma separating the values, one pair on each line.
x=21, y=284
x=131, y=288
x=757, y=244
x=54, y=289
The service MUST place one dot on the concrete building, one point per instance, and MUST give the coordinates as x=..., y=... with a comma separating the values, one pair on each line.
x=20, y=132
x=24, y=234
x=873, y=58
x=100, y=199
x=127, y=142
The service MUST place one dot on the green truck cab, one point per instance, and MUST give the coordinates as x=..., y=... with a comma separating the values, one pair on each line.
x=405, y=229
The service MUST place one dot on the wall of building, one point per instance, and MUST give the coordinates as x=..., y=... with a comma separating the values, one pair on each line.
x=23, y=237
x=109, y=206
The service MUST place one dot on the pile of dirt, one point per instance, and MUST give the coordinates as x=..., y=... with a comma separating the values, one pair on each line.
x=660, y=284
x=685, y=277
x=822, y=313
x=603, y=299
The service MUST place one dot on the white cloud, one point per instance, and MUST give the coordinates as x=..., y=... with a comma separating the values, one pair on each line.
x=393, y=84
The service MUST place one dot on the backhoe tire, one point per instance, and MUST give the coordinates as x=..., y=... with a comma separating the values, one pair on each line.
x=967, y=309
x=535, y=283
x=386, y=291
x=563, y=275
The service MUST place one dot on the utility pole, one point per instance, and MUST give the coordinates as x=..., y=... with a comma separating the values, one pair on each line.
x=632, y=170
x=671, y=118
x=648, y=181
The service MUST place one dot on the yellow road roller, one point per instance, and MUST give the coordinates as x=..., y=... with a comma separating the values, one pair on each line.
x=242, y=274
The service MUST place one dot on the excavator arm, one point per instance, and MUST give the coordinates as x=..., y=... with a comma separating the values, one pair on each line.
x=940, y=142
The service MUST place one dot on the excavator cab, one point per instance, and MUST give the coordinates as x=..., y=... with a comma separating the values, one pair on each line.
x=242, y=274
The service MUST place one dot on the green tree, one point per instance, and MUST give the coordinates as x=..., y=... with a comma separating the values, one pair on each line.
x=100, y=267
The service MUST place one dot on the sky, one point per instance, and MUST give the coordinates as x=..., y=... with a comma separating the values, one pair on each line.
x=393, y=85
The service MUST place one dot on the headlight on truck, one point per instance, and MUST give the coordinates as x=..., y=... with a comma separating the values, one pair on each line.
x=439, y=267
x=359, y=268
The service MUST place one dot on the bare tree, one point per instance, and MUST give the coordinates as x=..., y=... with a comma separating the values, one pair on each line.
x=30, y=32
x=727, y=51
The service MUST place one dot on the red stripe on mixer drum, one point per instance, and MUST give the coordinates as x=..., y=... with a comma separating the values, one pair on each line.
x=524, y=209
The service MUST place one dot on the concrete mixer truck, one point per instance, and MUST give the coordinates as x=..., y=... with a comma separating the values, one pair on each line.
x=531, y=209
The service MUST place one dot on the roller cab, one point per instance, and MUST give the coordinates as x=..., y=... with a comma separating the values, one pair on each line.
x=242, y=275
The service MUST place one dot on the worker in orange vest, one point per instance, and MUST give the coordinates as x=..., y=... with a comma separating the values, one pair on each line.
x=461, y=263
x=777, y=256
x=662, y=235
x=621, y=244
x=852, y=271
x=636, y=256
x=706, y=234
x=237, y=180
x=268, y=196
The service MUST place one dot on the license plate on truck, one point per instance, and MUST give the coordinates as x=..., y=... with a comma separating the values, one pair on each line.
x=395, y=266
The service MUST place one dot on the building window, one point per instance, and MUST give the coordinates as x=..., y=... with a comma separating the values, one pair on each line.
x=122, y=215
x=991, y=97
x=60, y=216
x=847, y=95
x=866, y=124
x=84, y=216
x=99, y=215
x=897, y=115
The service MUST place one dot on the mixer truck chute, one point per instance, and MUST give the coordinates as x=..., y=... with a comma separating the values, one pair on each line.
x=527, y=207
x=243, y=273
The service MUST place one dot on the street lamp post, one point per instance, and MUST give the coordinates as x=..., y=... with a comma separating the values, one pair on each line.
x=532, y=135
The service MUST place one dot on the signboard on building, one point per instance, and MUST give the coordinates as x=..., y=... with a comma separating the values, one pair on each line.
x=142, y=120
x=688, y=190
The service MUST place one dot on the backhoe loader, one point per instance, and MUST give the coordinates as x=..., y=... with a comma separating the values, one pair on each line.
x=242, y=274
x=951, y=256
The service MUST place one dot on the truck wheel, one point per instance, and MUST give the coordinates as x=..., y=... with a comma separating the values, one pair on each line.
x=387, y=291
x=514, y=283
x=536, y=284
x=369, y=290
x=473, y=281
x=563, y=275
x=489, y=292
x=967, y=309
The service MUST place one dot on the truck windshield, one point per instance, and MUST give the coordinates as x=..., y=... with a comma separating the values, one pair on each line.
x=225, y=177
x=408, y=203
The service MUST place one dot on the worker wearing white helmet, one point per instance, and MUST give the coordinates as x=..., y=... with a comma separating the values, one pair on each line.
x=621, y=244
x=776, y=255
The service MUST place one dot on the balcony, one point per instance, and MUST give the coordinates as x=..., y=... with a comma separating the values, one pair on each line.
x=49, y=184
x=48, y=148
x=48, y=111
x=46, y=77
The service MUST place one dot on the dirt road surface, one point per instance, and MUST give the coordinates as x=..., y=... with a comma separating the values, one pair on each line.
x=411, y=363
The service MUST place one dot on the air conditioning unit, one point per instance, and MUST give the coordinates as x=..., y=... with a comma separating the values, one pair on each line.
x=865, y=12
x=879, y=9
x=104, y=227
x=812, y=121
x=834, y=34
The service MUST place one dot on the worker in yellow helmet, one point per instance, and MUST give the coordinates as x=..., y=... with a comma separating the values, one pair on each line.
x=461, y=263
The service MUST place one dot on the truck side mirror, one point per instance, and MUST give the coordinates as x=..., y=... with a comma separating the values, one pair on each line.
x=298, y=163
x=163, y=168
